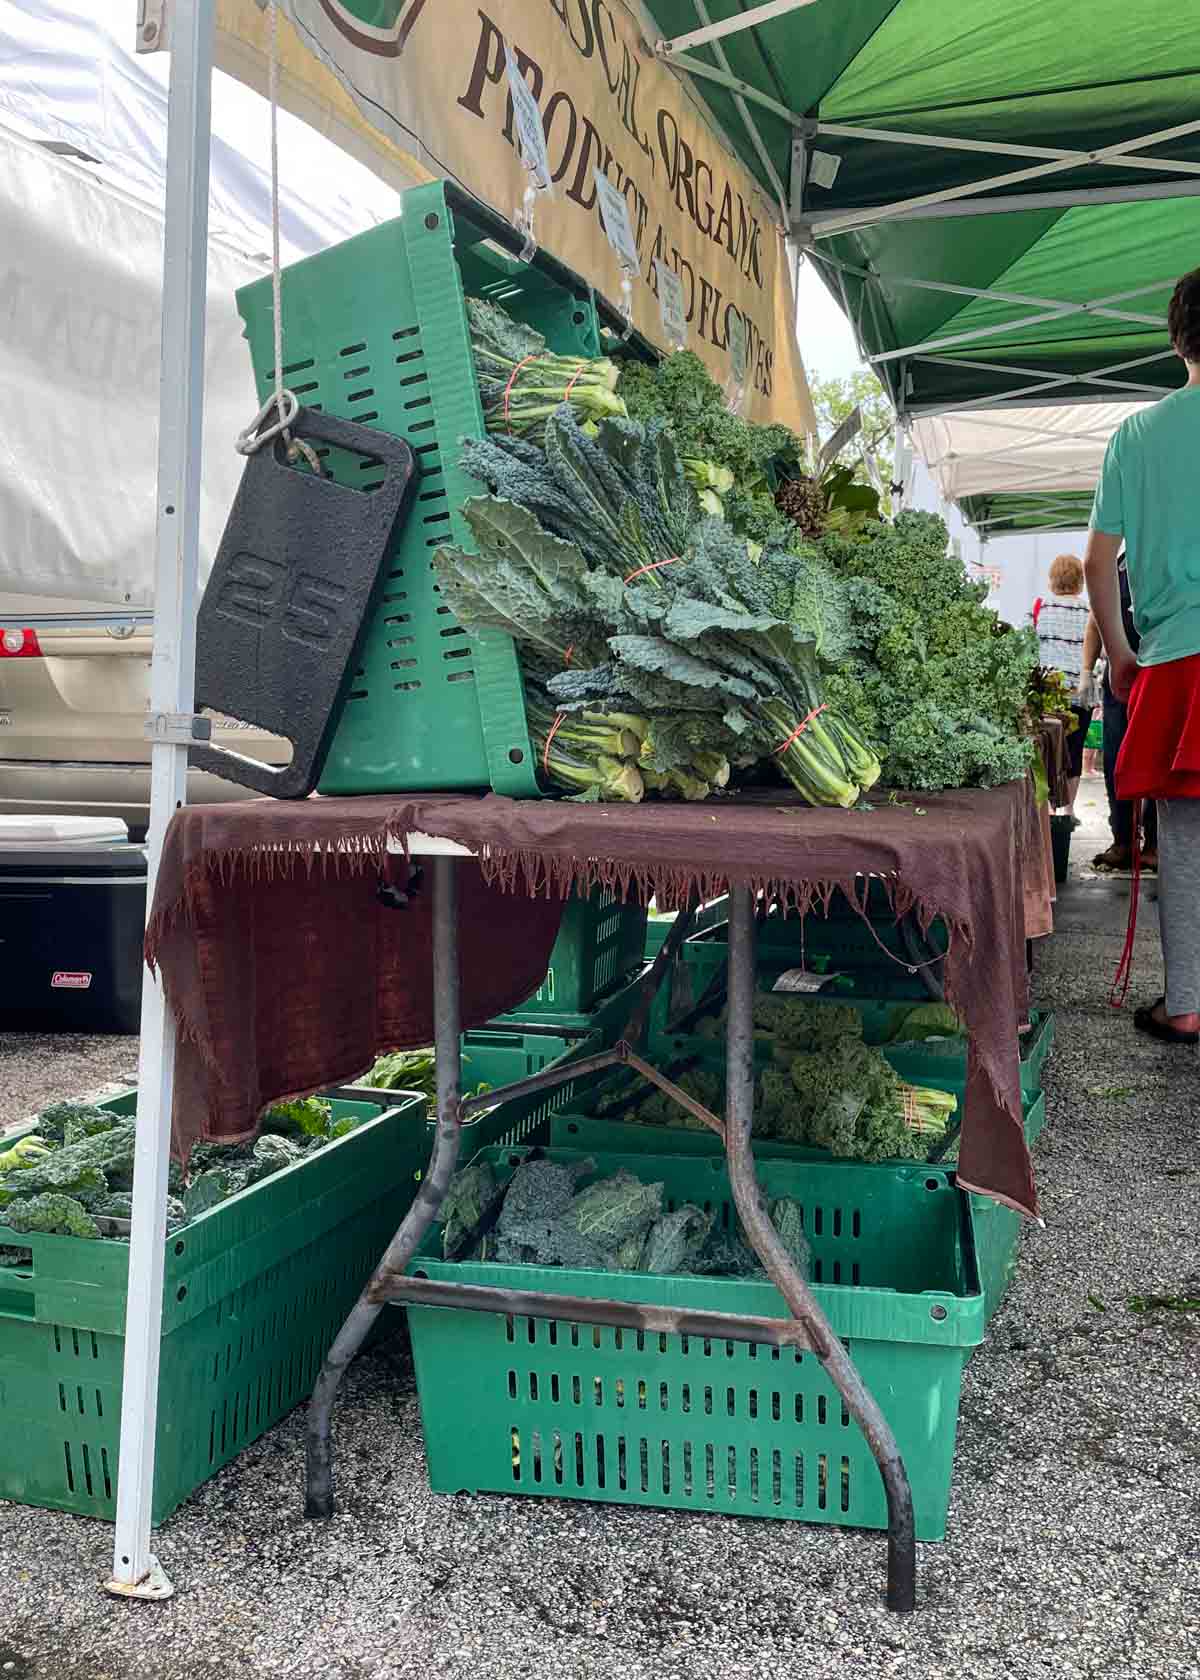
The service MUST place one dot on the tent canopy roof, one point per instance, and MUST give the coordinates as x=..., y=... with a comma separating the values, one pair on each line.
x=1091, y=107
x=1002, y=514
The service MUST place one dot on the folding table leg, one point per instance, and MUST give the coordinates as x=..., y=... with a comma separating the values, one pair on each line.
x=428, y=1201
x=739, y=1111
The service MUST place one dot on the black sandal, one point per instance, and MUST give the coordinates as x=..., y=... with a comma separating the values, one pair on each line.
x=1145, y=1020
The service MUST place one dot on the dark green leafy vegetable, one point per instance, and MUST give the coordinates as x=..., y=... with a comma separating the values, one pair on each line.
x=930, y=676
x=521, y=381
x=52, y=1212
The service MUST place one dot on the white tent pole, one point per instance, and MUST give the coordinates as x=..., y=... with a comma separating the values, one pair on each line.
x=1065, y=198
x=1116, y=156
x=726, y=79
x=1112, y=388
x=172, y=689
x=730, y=26
x=743, y=110
x=1068, y=158
x=1095, y=306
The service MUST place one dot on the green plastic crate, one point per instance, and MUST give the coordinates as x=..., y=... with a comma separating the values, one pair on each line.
x=255, y=1291
x=599, y=947
x=931, y=1062
x=658, y=927
x=576, y=1412
x=376, y=331
x=925, y=1063
x=500, y=1055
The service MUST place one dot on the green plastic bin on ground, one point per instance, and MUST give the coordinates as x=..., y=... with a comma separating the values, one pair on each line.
x=255, y=1291
x=377, y=333
x=575, y=1412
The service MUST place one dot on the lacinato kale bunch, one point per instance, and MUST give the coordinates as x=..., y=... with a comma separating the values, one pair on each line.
x=929, y=675
x=563, y=1214
x=642, y=617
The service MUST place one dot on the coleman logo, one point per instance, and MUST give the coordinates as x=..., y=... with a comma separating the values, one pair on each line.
x=72, y=980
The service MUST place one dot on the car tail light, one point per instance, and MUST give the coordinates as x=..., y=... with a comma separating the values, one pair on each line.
x=19, y=644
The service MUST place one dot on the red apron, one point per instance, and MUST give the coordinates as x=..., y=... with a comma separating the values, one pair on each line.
x=1160, y=755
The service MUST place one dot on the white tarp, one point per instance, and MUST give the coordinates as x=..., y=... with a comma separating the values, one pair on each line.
x=80, y=291
x=984, y=450
x=80, y=285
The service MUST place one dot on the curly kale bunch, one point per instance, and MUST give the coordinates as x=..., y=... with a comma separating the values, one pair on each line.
x=931, y=676
x=680, y=390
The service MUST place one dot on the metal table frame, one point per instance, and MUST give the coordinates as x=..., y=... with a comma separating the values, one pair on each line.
x=807, y=1328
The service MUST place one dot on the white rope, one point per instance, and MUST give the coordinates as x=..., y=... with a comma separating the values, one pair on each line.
x=285, y=403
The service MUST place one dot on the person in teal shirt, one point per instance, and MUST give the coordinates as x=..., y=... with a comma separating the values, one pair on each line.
x=1148, y=499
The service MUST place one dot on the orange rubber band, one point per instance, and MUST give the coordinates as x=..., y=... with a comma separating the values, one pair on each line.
x=554, y=728
x=801, y=727
x=653, y=567
x=574, y=377
x=567, y=655
x=511, y=382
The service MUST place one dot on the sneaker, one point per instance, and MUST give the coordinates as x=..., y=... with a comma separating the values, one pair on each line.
x=1148, y=862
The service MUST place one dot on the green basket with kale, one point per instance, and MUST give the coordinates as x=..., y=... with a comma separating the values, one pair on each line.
x=255, y=1290
x=561, y=1409
x=377, y=332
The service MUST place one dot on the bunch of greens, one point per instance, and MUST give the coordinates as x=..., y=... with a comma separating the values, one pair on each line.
x=847, y=1099
x=825, y=1089
x=628, y=604
x=725, y=456
x=551, y=1215
x=76, y=1167
x=1050, y=696
x=826, y=499
x=521, y=382
x=413, y=1070
x=928, y=674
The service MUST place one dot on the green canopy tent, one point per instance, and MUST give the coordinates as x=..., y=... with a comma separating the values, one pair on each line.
x=1003, y=514
x=1001, y=192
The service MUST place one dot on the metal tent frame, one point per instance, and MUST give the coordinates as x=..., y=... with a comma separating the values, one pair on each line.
x=991, y=190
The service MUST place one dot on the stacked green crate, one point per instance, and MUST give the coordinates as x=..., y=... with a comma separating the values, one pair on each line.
x=562, y=1409
x=255, y=1290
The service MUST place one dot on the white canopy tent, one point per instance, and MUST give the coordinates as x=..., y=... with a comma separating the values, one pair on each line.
x=981, y=451
x=83, y=137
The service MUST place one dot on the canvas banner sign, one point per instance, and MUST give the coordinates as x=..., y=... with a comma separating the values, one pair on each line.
x=427, y=81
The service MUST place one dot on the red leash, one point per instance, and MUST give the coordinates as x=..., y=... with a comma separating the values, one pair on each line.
x=1120, y=985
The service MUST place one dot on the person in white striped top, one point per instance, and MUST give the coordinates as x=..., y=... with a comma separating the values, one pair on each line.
x=1060, y=620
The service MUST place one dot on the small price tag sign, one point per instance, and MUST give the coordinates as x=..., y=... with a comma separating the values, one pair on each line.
x=670, y=304
x=800, y=980
x=737, y=350
x=618, y=229
x=530, y=135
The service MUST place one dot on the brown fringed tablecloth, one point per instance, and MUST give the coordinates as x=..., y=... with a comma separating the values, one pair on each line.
x=286, y=973
x=1052, y=744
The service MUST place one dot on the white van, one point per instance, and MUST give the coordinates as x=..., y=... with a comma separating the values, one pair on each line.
x=74, y=693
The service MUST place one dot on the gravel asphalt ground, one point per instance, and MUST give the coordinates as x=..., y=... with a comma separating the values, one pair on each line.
x=1074, y=1539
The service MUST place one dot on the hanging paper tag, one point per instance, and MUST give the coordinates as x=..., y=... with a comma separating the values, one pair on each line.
x=618, y=229
x=800, y=980
x=735, y=385
x=737, y=349
x=670, y=304
x=531, y=137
